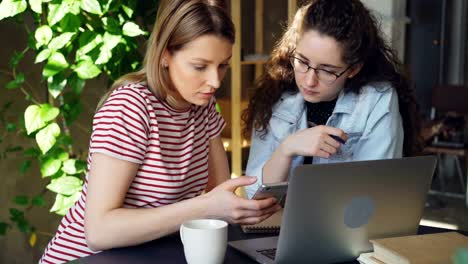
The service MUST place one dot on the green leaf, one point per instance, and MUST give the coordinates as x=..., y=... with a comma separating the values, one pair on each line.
x=36, y=6
x=38, y=201
x=63, y=203
x=60, y=41
x=87, y=70
x=56, y=84
x=112, y=26
x=70, y=23
x=15, y=59
x=31, y=153
x=17, y=217
x=132, y=30
x=11, y=8
x=77, y=84
x=55, y=64
x=56, y=12
x=47, y=137
x=16, y=82
x=71, y=110
x=72, y=6
x=73, y=166
x=43, y=35
x=50, y=167
x=11, y=127
x=110, y=41
x=3, y=228
x=43, y=55
x=25, y=166
x=48, y=112
x=13, y=149
x=32, y=119
x=128, y=11
x=88, y=41
x=21, y=200
x=91, y=6
x=67, y=185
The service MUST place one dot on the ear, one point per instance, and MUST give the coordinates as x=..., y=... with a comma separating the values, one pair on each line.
x=355, y=70
x=166, y=58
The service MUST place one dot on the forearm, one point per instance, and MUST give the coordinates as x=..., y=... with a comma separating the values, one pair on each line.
x=125, y=227
x=277, y=168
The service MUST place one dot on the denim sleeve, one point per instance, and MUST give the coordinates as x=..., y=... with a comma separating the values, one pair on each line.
x=383, y=138
x=260, y=152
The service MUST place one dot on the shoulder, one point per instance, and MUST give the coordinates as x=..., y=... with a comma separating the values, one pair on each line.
x=290, y=105
x=381, y=95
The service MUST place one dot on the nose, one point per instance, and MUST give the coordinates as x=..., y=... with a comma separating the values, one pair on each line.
x=310, y=78
x=214, y=79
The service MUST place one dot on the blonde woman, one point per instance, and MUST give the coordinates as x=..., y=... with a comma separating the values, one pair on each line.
x=155, y=156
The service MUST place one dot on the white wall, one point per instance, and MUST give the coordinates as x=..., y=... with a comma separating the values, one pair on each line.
x=392, y=15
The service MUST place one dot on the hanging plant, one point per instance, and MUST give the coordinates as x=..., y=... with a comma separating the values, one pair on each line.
x=73, y=41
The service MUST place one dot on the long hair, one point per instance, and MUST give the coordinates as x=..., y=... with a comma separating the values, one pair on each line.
x=358, y=33
x=178, y=23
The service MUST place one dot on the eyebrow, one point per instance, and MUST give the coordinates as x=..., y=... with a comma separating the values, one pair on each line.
x=321, y=65
x=208, y=61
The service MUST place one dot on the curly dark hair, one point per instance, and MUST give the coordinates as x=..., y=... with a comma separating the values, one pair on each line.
x=352, y=25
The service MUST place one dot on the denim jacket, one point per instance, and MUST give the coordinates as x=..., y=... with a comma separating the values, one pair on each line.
x=371, y=119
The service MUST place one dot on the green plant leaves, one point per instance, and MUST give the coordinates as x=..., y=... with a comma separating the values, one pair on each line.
x=110, y=41
x=16, y=82
x=132, y=30
x=47, y=137
x=3, y=228
x=55, y=64
x=91, y=6
x=50, y=166
x=43, y=35
x=66, y=185
x=73, y=166
x=87, y=70
x=17, y=217
x=56, y=84
x=43, y=55
x=21, y=200
x=39, y=201
x=37, y=116
x=25, y=166
x=63, y=203
x=36, y=6
x=60, y=41
x=11, y=8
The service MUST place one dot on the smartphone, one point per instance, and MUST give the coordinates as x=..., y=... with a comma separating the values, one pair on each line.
x=277, y=190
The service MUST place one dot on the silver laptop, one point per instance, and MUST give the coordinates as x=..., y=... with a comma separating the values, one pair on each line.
x=332, y=210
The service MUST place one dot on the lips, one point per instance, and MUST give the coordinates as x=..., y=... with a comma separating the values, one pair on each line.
x=310, y=92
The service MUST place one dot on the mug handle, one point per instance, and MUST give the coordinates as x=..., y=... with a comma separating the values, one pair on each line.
x=181, y=232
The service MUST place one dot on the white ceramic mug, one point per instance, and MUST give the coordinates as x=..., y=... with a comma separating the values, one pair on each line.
x=204, y=240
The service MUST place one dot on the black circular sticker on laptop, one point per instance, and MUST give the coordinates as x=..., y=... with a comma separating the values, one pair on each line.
x=358, y=212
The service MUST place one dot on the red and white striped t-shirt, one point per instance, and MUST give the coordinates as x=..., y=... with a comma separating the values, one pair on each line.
x=171, y=147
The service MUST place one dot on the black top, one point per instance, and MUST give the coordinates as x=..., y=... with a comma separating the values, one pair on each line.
x=318, y=114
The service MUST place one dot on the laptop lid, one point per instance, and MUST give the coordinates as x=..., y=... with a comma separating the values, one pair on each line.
x=332, y=210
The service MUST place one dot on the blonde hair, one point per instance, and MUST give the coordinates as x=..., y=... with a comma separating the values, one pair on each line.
x=178, y=23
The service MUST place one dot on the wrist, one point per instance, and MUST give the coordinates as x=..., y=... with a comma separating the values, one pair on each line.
x=285, y=149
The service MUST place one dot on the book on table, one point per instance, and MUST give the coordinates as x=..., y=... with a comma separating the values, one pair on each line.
x=270, y=225
x=436, y=248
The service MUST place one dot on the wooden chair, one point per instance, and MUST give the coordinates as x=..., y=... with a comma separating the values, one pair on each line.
x=450, y=99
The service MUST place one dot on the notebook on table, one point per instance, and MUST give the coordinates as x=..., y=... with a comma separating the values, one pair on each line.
x=270, y=225
x=332, y=210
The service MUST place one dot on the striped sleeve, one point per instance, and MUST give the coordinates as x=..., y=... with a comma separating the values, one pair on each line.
x=216, y=122
x=121, y=126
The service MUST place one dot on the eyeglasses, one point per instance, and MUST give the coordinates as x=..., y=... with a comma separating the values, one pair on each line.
x=322, y=74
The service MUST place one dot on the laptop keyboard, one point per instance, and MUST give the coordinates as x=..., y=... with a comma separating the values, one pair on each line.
x=270, y=253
